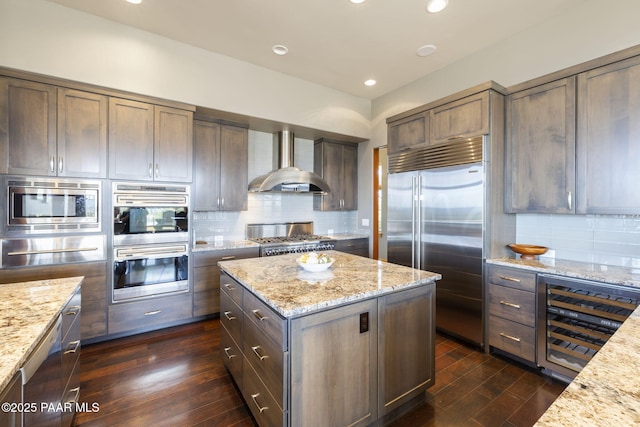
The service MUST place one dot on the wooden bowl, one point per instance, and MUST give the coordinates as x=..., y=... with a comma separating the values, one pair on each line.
x=527, y=251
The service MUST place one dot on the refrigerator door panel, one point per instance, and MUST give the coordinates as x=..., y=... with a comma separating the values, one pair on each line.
x=400, y=218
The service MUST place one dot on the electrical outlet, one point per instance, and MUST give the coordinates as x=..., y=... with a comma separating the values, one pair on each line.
x=365, y=222
x=364, y=322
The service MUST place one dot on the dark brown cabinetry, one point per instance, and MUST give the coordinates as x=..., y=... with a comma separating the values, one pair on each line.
x=206, y=277
x=608, y=146
x=70, y=349
x=337, y=163
x=357, y=246
x=540, y=149
x=512, y=311
x=149, y=142
x=53, y=131
x=220, y=163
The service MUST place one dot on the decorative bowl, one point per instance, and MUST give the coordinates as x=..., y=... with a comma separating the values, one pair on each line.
x=527, y=251
x=315, y=267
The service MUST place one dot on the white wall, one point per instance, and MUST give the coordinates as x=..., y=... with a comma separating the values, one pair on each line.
x=593, y=29
x=50, y=39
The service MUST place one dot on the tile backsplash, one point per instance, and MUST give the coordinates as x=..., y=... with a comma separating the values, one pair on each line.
x=603, y=239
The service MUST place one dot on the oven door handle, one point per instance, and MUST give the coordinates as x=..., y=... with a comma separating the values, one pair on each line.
x=128, y=253
x=52, y=251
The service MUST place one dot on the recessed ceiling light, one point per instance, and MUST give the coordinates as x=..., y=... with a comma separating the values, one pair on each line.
x=280, y=49
x=426, y=50
x=134, y=1
x=357, y=1
x=370, y=82
x=435, y=6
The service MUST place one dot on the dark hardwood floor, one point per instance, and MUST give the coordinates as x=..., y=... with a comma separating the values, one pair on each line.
x=176, y=377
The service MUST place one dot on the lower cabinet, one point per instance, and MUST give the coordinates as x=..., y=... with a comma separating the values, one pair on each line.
x=512, y=311
x=357, y=246
x=206, y=277
x=12, y=394
x=350, y=365
x=149, y=313
x=70, y=348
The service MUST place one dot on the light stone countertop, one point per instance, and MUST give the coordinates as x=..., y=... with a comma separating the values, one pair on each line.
x=607, y=391
x=223, y=245
x=346, y=236
x=292, y=291
x=27, y=311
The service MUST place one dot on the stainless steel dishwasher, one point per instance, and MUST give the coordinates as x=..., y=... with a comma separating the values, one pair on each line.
x=42, y=383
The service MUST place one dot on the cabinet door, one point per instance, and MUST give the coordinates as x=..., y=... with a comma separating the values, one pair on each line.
x=406, y=366
x=410, y=132
x=206, y=166
x=349, y=178
x=540, y=149
x=463, y=118
x=334, y=367
x=328, y=164
x=173, y=144
x=130, y=140
x=234, y=155
x=608, y=147
x=82, y=134
x=27, y=127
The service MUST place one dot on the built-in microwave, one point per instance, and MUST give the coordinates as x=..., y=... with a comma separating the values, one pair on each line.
x=45, y=205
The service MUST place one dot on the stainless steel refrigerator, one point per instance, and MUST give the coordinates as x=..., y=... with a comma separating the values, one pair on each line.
x=436, y=214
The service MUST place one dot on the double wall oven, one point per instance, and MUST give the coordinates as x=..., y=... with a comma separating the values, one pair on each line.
x=150, y=236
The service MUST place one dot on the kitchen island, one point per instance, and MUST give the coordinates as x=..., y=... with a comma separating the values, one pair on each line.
x=352, y=345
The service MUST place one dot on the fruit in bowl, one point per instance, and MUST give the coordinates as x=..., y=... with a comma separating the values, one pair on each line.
x=315, y=262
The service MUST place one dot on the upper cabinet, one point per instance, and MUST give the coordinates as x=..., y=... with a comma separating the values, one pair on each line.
x=407, y=133
x=540, y=149
x=337, y=163
x=220, y=167
x=46, y=130
x=608, y=146
x=149, y=142
x=460, y=119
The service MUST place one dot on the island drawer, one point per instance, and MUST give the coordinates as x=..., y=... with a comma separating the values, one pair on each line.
x=513, y=338
x=512, y=278
x=71, y=312
x=70, y=348
x=232, y=356
x=512, y=304
x=232, y=288
x=267, y=359
x=231, y=317
x=267, y=320
x=261, y=403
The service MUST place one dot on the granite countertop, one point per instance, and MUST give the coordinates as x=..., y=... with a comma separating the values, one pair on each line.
x=223, y=245
x=607, y=391
x=27, y=311
x=580, y=270
x=346, y=236
x=292, y=291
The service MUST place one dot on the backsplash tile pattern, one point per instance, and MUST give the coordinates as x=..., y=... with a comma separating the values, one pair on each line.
x=603, y=239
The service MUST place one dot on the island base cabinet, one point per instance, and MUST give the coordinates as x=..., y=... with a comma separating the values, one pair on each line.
x=334, y=367
x=406, y=366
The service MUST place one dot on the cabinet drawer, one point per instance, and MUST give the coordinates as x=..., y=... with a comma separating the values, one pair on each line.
x=232, y=356
x=231, y=317
x=512, y=304
x=266, y=357
x=261, y=403
x=149, y=313
x=512, y=277
x=513, y=338
x=71, y=313
x=267, y=320
x=71, y=395
x=232, y=288
x=206, y=302
x=70, y=349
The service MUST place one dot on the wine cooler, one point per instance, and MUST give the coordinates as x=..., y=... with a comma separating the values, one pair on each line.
x=576, y=318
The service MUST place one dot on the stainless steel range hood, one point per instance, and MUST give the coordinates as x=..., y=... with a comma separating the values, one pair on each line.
x=288, y=178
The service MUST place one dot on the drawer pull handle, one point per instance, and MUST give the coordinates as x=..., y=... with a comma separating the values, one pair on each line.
x=229, y=257
x=72, y=311
x=75, y=390
x=510, y=279
x=261, y=409
x=227, y=315
x=151, y=313
x=510, y=304
x=516, y=339
x=226, y=351
x=259, y=315
x=228, y=286
x=75, y=344
x=257, y=353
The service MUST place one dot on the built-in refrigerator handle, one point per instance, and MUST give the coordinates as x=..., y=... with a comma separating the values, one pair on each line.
x=413, y=222
x=418, y=237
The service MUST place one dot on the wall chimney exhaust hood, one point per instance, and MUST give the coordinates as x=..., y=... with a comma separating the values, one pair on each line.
x=288, y=178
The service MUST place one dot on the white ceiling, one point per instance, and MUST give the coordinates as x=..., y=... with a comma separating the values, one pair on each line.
x=334, y=43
